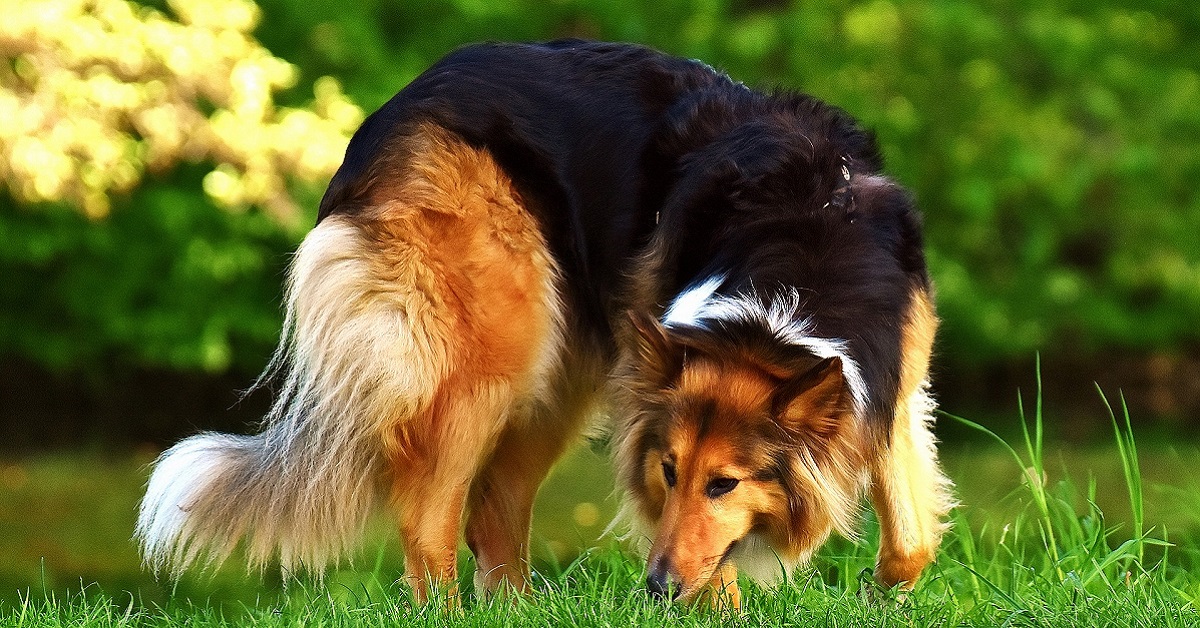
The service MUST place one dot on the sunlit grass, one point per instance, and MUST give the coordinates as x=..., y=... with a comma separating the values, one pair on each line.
x=1035, y=550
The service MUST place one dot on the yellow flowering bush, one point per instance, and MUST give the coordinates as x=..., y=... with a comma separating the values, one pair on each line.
x=93, y=93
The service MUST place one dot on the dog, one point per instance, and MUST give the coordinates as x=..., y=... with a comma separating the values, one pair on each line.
x=531, y=234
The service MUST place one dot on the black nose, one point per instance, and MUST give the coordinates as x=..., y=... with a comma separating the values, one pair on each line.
x=658, y=581
x=657, y=584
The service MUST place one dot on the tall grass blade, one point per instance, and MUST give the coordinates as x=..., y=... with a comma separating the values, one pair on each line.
x=1127, y=450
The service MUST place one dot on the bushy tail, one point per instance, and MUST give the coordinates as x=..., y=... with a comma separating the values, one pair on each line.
x=351, y=369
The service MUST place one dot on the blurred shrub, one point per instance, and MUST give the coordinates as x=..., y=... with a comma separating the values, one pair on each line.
x=173, y=282
x=1051, y=144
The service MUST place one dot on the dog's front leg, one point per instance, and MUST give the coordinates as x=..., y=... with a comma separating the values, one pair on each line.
x=722, y=590
x=911, y=496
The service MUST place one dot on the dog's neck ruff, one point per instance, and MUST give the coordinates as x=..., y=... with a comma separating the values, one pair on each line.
x=700, y=306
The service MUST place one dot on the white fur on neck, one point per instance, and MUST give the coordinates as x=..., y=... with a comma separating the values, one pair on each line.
x=699, y=305
x=686, y=310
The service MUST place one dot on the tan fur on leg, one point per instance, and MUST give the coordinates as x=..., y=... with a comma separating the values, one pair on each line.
x=501, y=499
x=431, y=479
x=468, y=270
x=910, y=494
x=722, y=591
x=501, y=507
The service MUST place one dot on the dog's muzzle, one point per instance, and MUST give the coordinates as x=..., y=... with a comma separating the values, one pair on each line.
x=659, y=581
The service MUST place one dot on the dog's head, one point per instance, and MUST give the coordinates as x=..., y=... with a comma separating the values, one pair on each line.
x=729, y=440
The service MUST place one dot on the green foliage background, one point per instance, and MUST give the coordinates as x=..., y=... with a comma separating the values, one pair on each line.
x=1051, y=145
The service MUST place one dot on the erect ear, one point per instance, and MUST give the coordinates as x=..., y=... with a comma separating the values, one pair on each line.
x=660, y=359
x=810, y=404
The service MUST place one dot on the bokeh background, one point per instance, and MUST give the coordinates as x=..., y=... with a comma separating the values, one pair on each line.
x=159, y=160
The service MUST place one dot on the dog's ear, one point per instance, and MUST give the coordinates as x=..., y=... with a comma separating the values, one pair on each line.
x=660, y=358
x=809, y=405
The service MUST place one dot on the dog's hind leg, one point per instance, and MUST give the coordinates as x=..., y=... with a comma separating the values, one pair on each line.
x=483, y=288
x=501, y=500
x=432, y=473
x=910, y=494
x=501, y=504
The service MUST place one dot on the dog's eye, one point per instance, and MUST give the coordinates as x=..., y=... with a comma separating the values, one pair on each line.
x=669, y=474
x=720, y=486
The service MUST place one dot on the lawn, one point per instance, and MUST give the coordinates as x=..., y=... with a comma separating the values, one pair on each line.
x=1032, y=545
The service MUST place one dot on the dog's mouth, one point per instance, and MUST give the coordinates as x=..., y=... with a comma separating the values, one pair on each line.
x=728, y=552
x=691, y=593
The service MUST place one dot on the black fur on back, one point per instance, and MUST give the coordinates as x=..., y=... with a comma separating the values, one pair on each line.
x=614, y=143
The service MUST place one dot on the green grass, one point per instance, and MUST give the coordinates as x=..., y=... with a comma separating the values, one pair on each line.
x=1033, y=549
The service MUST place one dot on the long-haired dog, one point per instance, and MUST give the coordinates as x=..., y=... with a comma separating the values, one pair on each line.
x=526, y=231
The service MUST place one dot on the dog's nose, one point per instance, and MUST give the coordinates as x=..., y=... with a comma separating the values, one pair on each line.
x=658, y=581
x=657, y=584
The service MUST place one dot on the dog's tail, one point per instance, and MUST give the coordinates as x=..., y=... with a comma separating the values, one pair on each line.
x=351, y=369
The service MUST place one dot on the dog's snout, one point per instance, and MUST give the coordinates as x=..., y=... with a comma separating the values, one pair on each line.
x=658, y=581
